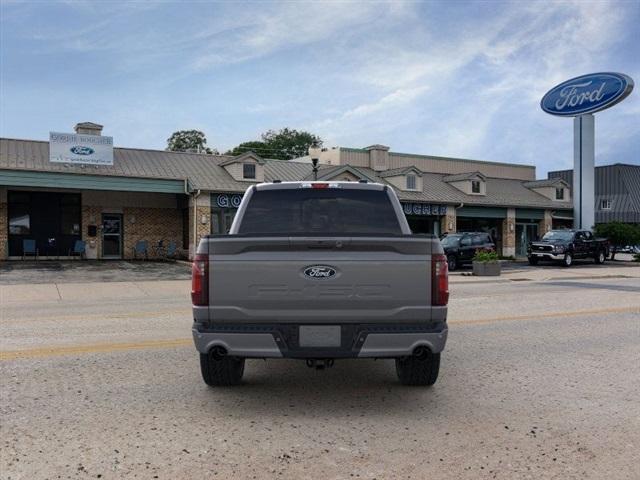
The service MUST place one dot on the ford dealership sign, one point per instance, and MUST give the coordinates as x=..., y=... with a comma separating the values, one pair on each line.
x=587, y=94
x=80, y=149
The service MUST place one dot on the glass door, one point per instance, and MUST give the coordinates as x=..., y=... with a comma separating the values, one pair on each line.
x=111, y=235
x=525, y=233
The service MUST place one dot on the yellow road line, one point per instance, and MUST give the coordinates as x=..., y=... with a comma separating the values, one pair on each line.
x=634, y=309
x=181, y=342
x=108, y=316
x=97, y=348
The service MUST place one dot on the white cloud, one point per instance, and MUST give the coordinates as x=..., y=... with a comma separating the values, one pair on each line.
x=287, y=25
x=484, y=81
x=458, y=79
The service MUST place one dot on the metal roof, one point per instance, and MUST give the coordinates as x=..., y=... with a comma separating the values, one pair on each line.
x=463, y=176
x=205, y=172
x=392, y=172
x=500, y=191
x=547, y=182
x=201, y=170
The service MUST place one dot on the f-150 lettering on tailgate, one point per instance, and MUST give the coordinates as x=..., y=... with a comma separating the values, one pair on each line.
x=316, y=291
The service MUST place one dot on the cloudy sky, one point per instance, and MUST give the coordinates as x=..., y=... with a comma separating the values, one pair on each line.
x=451, y=78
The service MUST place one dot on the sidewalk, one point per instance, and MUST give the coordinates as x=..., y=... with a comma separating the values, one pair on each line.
x=521, y=272
x=92, y=291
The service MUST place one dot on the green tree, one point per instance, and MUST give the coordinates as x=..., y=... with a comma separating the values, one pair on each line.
x=619, y=234
x=257, y=147
x=283, y=144
x=287, y=144
x=188, y=141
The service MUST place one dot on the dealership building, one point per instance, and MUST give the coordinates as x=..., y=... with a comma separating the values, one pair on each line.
x=112, y=198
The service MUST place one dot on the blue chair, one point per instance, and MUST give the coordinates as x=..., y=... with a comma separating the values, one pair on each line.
x=142, y=249
x=172, y=249
x=79, y=248
x=29, y=248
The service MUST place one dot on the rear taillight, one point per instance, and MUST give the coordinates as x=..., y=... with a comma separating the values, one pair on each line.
x=439, y=280
x=200, y=280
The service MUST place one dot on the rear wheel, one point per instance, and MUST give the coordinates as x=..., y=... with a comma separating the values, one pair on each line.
x=568, y=260
x=600, y=257
x=221, y=371
x=418, y=370
x=452, y=263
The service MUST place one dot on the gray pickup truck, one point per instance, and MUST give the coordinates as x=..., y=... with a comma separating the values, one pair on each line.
x=320, y=271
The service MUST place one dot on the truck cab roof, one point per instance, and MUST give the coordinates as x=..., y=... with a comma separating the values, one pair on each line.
x=319, y=185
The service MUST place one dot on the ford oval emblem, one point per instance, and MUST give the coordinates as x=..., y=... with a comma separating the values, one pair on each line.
x=319, y=271
x=587, y=94
x=79, y=150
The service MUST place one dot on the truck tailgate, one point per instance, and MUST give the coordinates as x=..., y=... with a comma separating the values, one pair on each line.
x=374, y=279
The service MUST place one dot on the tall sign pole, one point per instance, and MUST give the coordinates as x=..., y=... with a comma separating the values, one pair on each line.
x=583, y=171
x=580, y=97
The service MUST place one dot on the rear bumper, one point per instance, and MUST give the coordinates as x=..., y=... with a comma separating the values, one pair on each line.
x=358, y=341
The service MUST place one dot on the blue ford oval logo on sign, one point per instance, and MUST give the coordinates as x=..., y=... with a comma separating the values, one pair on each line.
x=319, y=271
x=79, y=150
x=587, y=94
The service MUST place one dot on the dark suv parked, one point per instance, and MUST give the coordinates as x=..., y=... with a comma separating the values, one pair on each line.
x=461, y=247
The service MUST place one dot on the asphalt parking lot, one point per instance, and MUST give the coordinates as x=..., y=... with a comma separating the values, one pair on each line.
x=539, y=380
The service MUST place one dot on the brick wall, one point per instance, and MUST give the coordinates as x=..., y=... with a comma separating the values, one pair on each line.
x=92, y=216
x=152, y=225
x=509, y=233
x=545, y=224
x=202, y=229
x=449, y=220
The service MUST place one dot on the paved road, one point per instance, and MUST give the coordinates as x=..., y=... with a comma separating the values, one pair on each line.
x=539, y=380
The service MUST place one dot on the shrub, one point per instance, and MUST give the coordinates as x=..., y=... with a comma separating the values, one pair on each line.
x=619, y=234
x=482, y=256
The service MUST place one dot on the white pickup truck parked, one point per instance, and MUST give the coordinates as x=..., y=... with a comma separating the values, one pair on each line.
x=320, y=271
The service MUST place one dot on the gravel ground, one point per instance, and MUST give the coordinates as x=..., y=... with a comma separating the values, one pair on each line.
x=538, y=380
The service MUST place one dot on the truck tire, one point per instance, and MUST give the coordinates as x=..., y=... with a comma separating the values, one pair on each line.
x=533, y=260
x=221, y=371
x=417, y=370
x=568, y=260
x=600, y=257
x=452, y=263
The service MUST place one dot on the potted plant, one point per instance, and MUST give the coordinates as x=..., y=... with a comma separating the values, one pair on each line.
x=486, y=264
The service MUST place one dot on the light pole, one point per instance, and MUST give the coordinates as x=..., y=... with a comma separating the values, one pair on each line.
x=314, y=153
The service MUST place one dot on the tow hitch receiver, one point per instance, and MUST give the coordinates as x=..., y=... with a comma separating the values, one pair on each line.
x=320, y=364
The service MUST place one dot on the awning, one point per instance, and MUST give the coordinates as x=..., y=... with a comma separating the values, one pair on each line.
x=482, y=212
x=30, y=178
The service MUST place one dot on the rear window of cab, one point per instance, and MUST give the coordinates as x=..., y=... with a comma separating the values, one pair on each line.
x=328, y=211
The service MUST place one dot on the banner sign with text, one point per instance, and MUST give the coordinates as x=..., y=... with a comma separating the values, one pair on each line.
x=225, y=200
x=424, y=209
x=80, y=149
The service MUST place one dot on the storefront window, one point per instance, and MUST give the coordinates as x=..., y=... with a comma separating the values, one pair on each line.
x=223, y=210
x=185, y=228
x=52, y=219
x=19, y=220
x=221, y=220
x=19, y=217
